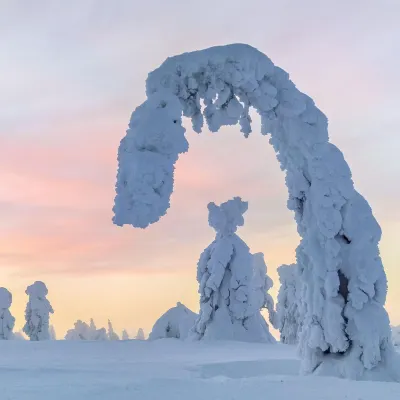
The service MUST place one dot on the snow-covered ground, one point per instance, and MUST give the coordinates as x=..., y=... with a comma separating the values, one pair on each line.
x=167, y=369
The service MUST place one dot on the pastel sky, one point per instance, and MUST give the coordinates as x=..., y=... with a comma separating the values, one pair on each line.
x=72, y=72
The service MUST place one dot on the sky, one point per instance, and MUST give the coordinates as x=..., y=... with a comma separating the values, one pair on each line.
x=72, y=72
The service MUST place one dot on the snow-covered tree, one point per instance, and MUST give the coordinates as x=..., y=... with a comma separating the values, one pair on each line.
x=175, y=323
x=52, y=333
x=288, y=307
x=83, y=331
x=140, y=334
x=110, y=333
x=226, y=277
x=338, y=256
x=261, y=285
x=125, y=335
x=37, y=312
x=7, y=321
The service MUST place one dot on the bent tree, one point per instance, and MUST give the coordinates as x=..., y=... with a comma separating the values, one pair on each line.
x=338, y=257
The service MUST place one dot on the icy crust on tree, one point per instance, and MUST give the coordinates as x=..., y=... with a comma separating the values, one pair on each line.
x=175, y=323
x=7, y=321
x=229, y=308
x=83, y=331
x=289, y=313
x=344, y=281
x=111, y=333
x=396, y=335
x=37, y=312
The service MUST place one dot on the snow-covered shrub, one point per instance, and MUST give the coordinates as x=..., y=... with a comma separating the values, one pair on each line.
x=338, y=256
x=140, y=334
x=7, y=321
x=83, y=331
x=175, y=323
x=110, y=333
x=37, y=312
x=124, y=335
x=261, y=285
x=226, y=276
x=288, y=308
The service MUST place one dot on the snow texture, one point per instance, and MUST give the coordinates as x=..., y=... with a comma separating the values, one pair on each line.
x=37, y=312
x=175, y=323
x=83, y=331
x=344, y=281
x=52, y=333
x=140, y=334
x=288, y=308
x=228, y=306
x=7, y=321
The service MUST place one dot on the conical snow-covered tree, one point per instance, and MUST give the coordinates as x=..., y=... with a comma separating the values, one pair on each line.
x=7, y=321
x=52, y=333
x=110, y=333
x=140, y=334
x=225, y=276
x=125, y=335
x=261, y=285
x=288, y=308
x=37, y=312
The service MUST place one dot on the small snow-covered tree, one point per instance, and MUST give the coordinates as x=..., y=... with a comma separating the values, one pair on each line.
x=261, y=285
x=83, y=331
x=37, y=312
x=52, y=333
x=125, y=335
x=225, y=276
x=140, y=334
x=175, y=323
x=110, y=333
x=7, y=321
x=288, y=311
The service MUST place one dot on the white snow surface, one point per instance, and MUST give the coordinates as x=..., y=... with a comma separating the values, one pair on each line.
x=168, y=369
x=340, y=266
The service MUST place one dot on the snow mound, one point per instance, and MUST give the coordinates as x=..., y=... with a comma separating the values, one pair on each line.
x=175, y=323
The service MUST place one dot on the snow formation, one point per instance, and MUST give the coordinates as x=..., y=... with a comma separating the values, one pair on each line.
x=52, y=333
x=125, y=335
x=7, y=321
x=110, y=333
x=83, y=331
x=37, y=312
x=396, y=335
x=288, y=308
x=338, y=257
x=140, y=334
x=229, y=308
x=175, y=323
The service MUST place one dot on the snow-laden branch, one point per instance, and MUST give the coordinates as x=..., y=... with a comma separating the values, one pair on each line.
x=338, y=257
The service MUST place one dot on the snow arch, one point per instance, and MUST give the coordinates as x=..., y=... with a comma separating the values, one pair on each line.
x=338, y=257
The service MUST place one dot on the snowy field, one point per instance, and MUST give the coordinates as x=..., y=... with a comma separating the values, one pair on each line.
x=168, y=370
